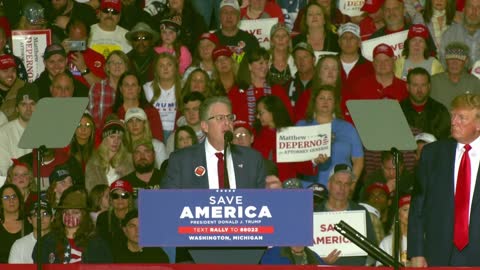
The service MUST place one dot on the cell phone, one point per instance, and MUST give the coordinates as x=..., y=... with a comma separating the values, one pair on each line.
x=77, y=45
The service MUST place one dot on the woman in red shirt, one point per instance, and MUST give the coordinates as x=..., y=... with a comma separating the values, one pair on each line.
x=253, y=83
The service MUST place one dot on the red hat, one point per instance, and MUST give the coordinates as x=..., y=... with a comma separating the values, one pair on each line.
x=7, y=61
x=115, y=4
x=378, y=185
x=404, y=200
x=418, y=30
x=210, y=36
x=243, y=124
x=121, y=184
x=221, y=51
x=383, y=48
x=372, y=6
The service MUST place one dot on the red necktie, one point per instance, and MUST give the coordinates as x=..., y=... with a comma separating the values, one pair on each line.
x=462, y=201
x=220, y=167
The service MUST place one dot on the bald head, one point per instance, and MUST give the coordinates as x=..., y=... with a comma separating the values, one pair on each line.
x=62, y=86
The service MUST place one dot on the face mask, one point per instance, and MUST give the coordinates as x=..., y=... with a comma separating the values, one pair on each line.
x=71, y=221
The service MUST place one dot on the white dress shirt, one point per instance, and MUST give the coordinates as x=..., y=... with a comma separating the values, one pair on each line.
x=474, y=155
x=212, y=166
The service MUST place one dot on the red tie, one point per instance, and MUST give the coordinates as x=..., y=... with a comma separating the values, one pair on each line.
x=462, y=201
x=220, y=164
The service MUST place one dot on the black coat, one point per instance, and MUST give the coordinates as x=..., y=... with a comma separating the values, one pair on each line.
x=434, y=119
x=97, y=250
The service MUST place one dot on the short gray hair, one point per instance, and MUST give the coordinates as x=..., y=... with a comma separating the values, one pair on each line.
x=207, y=104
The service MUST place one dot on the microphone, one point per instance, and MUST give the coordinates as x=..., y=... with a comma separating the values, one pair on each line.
x=228, y=137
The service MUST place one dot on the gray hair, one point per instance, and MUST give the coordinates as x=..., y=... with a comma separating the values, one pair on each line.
x=207, y=104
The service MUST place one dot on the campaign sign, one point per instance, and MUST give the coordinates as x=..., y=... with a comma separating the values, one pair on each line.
x=351, y=8
x=225, y=217
x=29, y=45
x=395, y=41
x=327, y=239
x=295, y=144
x=260, y=29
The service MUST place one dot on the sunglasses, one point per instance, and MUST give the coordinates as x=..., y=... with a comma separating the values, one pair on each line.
x=9, y=197
x=111, y=11
x=140, y=38
x=116, y=196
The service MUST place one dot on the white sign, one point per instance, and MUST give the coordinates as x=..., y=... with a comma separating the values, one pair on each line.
x=29, y=45
x=326, y=239
x=296, y=144
x=395, y=41
x=351, y=8
x=476, y=69
x=260, y=29
x=320, y=54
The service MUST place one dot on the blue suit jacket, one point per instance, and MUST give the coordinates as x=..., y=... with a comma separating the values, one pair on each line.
x=431, y=218
x=248, y=165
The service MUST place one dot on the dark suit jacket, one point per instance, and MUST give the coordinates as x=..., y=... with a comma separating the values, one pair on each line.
x=248, y=165
x=431, y=218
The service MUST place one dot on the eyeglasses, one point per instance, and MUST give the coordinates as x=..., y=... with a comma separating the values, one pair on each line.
x=123, y=195
x=240, y=135
x=140, y=38
x=115, y=63
x=222, y=117
x=86, y=125
x=111, y=11
x=42, y=214
x=9, y=197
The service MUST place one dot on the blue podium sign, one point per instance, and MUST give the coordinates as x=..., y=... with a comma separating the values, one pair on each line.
x=226, y=217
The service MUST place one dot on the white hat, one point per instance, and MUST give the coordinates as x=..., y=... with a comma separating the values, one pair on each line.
x=135, y=113
x=231, y=3
x=349, y=27
x=426, y=137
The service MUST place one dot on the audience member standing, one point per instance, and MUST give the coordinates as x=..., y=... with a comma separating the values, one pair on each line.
x=238, y=41
x=106, y=35
x=111, y=160
x=9, y=85
x=164, y=91
x=11, y=132
x=467, y=32
x=456, y=80
x=422, y=111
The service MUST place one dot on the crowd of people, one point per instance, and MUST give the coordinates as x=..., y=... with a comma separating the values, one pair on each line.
x=166, y=79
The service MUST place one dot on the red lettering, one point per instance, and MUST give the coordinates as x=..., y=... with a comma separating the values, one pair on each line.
x=331, y=240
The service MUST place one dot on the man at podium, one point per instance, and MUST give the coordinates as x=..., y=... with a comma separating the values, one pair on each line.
x=202, y=165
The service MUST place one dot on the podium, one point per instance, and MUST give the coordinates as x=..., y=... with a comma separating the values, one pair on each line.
x=225, y=226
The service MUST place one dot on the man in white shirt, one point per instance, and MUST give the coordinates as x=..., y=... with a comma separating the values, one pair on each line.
x=199, y=166
x=11, y=132
x=444, y=218
x=107, y=36
x=21, y=251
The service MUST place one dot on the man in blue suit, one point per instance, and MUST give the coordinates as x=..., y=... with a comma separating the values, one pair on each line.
x=444, y=220
x=197, y=167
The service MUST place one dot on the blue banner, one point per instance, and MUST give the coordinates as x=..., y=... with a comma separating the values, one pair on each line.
x=226, y=217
